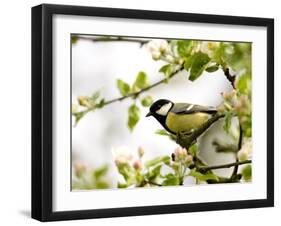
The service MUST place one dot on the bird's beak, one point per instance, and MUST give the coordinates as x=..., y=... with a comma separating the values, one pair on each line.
x=148, y=114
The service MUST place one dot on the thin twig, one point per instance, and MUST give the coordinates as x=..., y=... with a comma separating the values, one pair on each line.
x=113, y=39
x=206, y=168
x=134, y=94
x=235, y=170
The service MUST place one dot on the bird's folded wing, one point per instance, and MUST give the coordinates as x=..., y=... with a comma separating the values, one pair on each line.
x=184, y=108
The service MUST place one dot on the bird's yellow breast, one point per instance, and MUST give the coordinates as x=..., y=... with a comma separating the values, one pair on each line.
x=185, y=122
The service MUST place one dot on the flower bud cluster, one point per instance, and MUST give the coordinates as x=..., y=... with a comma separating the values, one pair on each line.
x=180, y=155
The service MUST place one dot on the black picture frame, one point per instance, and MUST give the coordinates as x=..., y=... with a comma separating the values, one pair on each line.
x=42, y=107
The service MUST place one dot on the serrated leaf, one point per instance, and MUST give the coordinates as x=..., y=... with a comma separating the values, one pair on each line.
x=203, y=177
x=153, y=162
x=134, y=116
x=167, y=70
x=155, y=172
x=199, y=63
x=124, y=88
x=171, y=180
x=141, y=80
x=147, y=101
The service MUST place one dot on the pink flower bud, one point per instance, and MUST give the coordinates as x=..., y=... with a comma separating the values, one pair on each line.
x=137, y=165
x=189, y=160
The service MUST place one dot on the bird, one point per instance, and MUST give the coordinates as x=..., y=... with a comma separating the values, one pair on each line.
x=180, y=117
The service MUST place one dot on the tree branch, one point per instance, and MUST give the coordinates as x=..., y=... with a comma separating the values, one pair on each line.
x=113, y=39
x=235, y=170
x=134, y=94
x=206, y=168
x=186, y=140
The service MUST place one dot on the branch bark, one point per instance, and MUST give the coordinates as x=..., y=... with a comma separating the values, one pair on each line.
x=113, y=39
x=186, y=140
x=134, y=94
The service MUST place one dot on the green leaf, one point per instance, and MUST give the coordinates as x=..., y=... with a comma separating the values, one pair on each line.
x=227, y=121
x=101, y=185
x=162, y=132
x=199, y=63
x=171, y=180
x=188, y=62
x=153, y=162
x=122, y=185
x=167, y=70
x=184, y=47
x=203, y=177
x=101, y=103
x=124, y=88
x=193, y=149
x=247, y=173
x=100, y=172
x=243, y=83
x=212, y=68
x=155, y=172
x=147, y=101
x=141, y=80
x=78, y=116
x=134, y=116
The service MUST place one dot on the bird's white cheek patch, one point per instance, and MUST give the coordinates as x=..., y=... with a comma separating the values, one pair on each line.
x=164, y=109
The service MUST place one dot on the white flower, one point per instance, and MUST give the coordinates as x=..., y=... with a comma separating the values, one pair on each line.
x=208, y=47
x=157, y=47
x=246, y=151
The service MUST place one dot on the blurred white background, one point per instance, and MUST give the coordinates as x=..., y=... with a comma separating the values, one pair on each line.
x=15, y=90
x=97, y=66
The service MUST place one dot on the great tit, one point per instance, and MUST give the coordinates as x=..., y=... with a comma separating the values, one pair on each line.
x=180, y=117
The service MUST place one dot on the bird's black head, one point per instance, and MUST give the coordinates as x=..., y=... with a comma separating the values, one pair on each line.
x=160, y=108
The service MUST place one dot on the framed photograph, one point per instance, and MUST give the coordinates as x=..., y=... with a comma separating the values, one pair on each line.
x=145, y=112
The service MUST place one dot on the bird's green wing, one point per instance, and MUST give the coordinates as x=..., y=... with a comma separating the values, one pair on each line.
x=184, y=108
